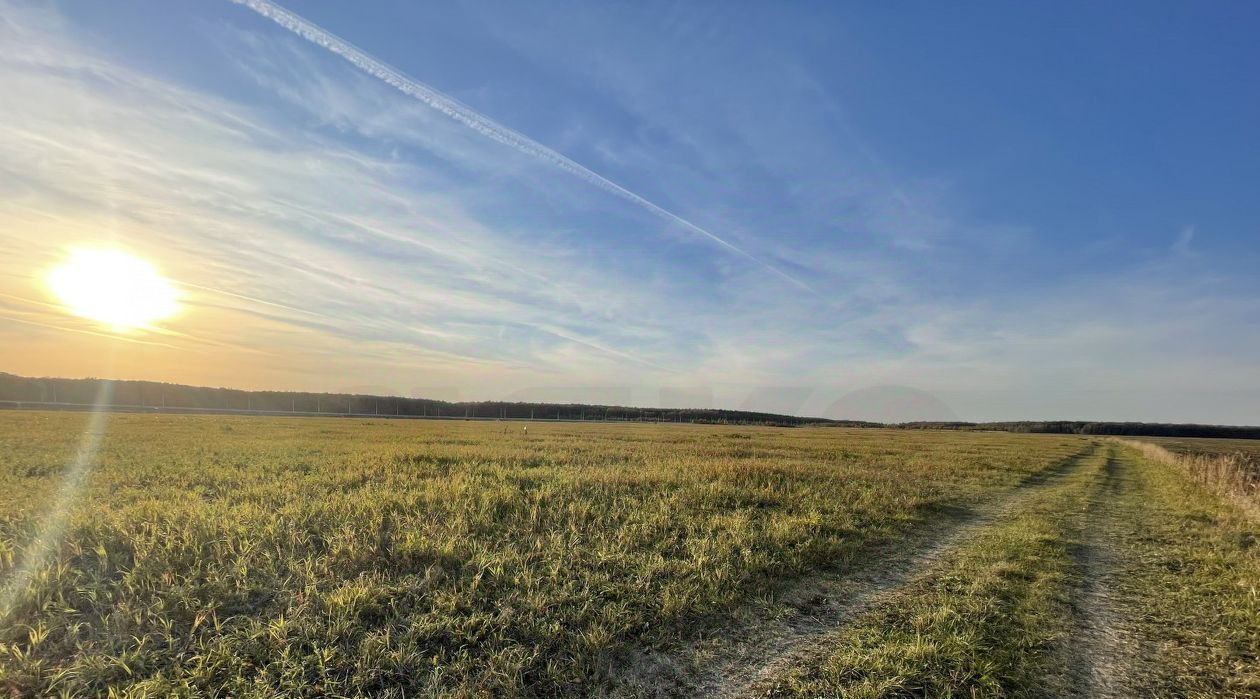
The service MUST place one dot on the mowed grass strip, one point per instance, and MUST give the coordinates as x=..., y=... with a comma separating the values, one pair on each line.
x=1210, y=446
x=1190, y=584
x=234, y=556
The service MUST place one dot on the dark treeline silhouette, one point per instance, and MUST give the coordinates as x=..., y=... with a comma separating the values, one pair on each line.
x=1119, y=429
x=151, y=395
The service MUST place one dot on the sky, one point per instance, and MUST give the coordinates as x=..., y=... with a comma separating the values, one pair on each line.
x=893, y=211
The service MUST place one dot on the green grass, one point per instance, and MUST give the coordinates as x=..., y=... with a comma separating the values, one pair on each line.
x=245, y=557
x=232, y=556
x=1230, y=468
x=998, y=619
x=1203, y=445
x=1191, y=584
x=984, y=623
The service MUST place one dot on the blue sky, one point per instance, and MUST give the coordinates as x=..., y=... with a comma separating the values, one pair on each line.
x=1006, y=210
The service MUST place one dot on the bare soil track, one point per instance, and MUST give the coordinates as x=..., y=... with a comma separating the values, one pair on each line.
x=1100, y=651
x=759, y=643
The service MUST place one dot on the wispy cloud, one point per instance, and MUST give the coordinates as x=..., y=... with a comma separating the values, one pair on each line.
x=1181, y=246
x=487, y=126
x=333, y=231
x=298, y=233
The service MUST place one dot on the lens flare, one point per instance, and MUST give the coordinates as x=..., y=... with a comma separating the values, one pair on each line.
x=113, y=288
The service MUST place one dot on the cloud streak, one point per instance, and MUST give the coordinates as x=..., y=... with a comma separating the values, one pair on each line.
x=298, y=252
x=486, y=126
x=330, y=230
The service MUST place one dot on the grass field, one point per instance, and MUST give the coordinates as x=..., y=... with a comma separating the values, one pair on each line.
x=1208, y=446
x=1228, y=467
x=237, y=556
x=1121, y=579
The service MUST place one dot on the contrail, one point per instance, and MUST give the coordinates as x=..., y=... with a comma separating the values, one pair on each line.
x=480, y=123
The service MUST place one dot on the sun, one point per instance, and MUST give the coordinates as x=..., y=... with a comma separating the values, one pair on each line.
x=113, y=288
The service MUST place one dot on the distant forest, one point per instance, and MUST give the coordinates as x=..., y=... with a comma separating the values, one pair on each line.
x=22, y=391
x=151, y=395
x=1119, y=429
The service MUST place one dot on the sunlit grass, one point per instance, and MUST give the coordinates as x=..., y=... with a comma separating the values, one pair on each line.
x=997, y=619
x=254, y=557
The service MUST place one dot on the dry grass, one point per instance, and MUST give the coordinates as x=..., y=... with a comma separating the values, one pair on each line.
x=1123, y=579
x=234, y=556
x=1227, y=467
x=982, y=621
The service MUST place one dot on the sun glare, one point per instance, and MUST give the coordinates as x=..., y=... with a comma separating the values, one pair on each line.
x=113, y=288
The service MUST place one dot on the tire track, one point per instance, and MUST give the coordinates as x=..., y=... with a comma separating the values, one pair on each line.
x=1099, y=653
x=760, y=644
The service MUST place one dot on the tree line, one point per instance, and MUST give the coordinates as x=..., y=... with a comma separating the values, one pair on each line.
x=181, y=398
x=1118, y=429
x=171, y=397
